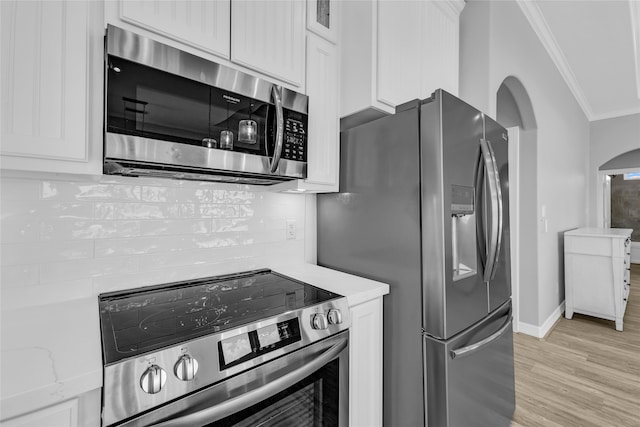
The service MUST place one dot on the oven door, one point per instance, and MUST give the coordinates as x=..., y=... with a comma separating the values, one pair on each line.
x=308, y=387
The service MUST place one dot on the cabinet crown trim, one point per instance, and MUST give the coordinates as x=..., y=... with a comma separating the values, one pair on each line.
x=451, y=7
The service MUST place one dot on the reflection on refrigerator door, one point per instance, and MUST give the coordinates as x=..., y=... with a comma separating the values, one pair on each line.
x=470, y=376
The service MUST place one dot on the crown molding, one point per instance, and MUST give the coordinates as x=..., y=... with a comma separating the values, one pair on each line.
x=635, y=27
x=452, y=7
x=534, y=15
x=615, y=114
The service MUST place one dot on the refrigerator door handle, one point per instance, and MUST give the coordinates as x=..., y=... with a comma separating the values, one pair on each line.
x=470, y=349
x=481, y=236
x=495, y=191
x=500, y=207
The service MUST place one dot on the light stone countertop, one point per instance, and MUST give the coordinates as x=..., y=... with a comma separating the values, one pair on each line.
x=356, y=289
x=51, y=353
x=600, y=232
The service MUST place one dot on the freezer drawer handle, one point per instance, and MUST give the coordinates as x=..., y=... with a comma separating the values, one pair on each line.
x=465, y=351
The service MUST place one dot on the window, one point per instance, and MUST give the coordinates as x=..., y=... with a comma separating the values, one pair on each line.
x=630, y=176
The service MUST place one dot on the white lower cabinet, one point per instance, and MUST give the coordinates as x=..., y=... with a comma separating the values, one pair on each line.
x=81, y=411
x=61, y=415
x=597, y=264
x=51, y=83
x=365, y=364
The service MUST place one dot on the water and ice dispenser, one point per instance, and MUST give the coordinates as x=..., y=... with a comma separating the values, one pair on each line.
x=463, y=231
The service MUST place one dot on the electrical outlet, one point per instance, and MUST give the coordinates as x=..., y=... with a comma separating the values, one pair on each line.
x=291, y=229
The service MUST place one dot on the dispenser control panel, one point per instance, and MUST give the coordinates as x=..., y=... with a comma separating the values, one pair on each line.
x=462, y=200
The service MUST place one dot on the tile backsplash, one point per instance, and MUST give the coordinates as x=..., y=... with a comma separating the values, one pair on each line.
x=73, y=237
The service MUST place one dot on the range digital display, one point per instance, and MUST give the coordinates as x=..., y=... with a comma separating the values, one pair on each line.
x=268, y=336
x=246, y=346
x=235, y=348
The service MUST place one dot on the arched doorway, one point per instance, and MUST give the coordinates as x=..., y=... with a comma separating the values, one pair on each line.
x=616, y=182
x=515, y=112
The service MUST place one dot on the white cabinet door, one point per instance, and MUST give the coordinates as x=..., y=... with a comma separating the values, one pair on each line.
x=45, y=84
x=82, y=410
x=399, y=50
x=324, y=132
x=269, y=37
x=324, y=125
x=61, y=415
x=202, y=24
x=365, y=365
x=440, y=47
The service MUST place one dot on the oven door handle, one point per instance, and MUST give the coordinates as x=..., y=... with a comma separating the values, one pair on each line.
x=257, y=395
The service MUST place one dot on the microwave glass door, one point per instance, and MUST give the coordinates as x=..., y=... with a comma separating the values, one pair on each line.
x=146, y=102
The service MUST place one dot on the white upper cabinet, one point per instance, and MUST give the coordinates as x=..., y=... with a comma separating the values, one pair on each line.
x=398, y=65
x=324, y=125
x=263, y=36
x=399, y=50
x=440, y=50
x=324, y=132
x=269, y=37
x=322, y=19
x=49, y=58
x=202, y=24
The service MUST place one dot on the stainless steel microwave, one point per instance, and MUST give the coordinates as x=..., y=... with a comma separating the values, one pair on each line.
x=172, y=114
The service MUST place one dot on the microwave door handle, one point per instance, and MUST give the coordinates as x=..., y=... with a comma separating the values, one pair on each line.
x=257, y=395
x=496, y=208
x=277, y=152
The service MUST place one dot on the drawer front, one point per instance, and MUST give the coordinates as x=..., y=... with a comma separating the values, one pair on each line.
x=588, y=245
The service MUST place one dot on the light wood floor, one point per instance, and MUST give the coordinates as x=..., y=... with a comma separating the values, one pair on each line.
x=584, y=373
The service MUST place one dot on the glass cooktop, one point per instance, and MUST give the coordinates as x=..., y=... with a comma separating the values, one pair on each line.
x=135, y=322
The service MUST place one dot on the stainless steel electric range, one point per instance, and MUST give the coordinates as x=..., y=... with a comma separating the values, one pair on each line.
x=255, y=348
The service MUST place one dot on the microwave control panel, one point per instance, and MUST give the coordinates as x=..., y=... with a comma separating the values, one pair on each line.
x=294, y=145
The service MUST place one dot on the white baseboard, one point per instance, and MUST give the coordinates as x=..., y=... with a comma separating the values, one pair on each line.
x=542, y=331
x=635, y=252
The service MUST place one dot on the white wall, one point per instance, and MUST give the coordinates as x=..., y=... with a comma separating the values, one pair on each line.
x=66, y=237
x=609, y=138
x=509, y=115
x=496, y=42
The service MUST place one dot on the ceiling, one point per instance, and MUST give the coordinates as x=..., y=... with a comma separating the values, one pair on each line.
x=596, y=46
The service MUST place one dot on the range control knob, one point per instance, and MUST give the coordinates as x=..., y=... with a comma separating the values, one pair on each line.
x=153, y=379
x=186, y=368
x=319, y=321
x=334, y=316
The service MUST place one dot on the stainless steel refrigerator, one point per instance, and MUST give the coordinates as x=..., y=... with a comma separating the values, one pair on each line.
x=423, y=206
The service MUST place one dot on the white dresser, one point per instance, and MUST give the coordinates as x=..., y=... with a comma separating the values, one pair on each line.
x=597, y=264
